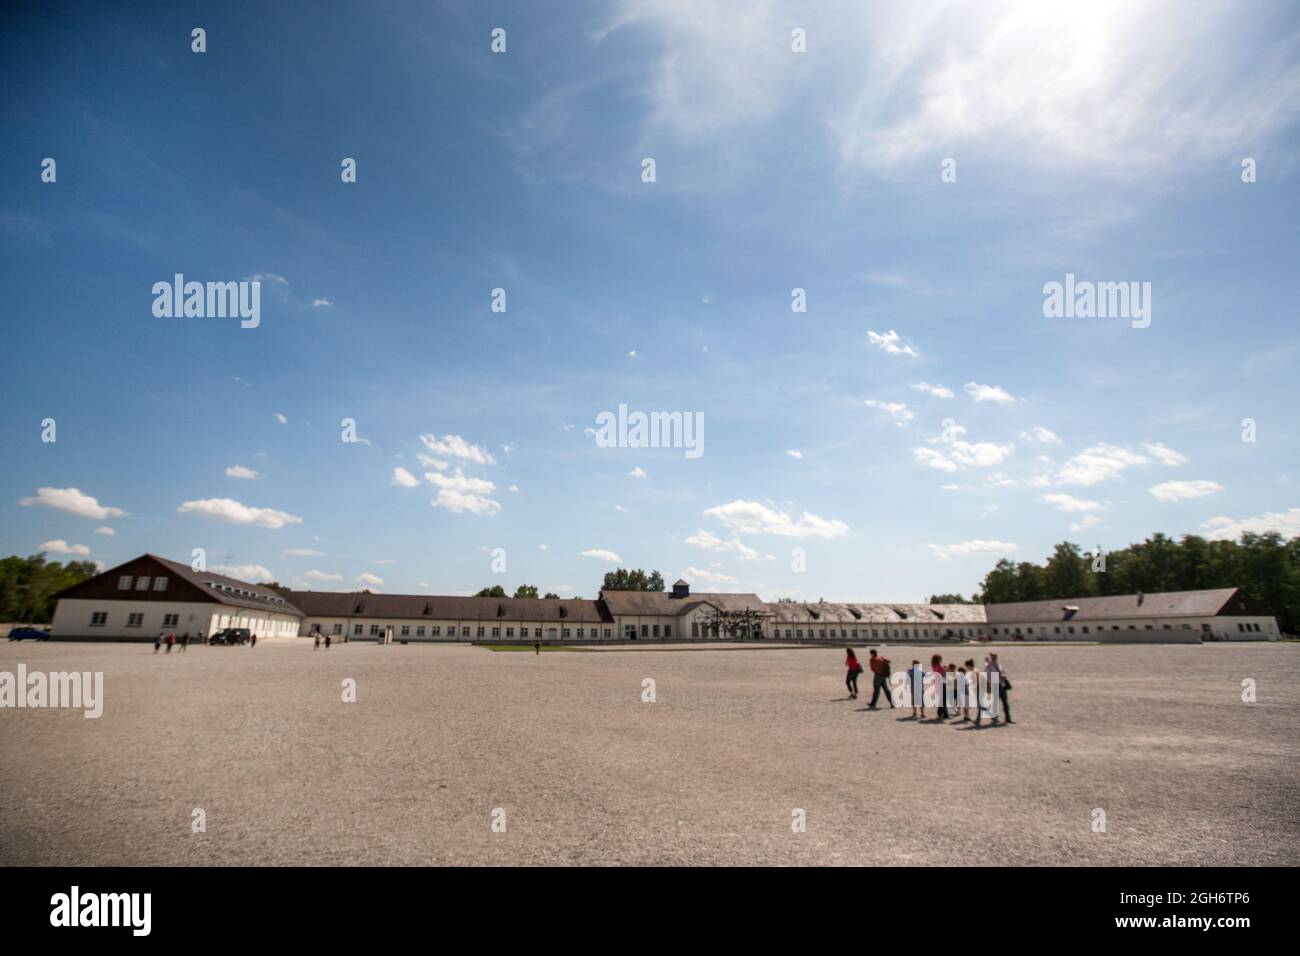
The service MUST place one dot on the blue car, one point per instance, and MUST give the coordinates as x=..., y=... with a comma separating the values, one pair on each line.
x=29, y=634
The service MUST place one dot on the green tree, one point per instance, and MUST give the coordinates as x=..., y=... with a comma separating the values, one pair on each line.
x=526, y=591
x=627, y=580
x=496, y=591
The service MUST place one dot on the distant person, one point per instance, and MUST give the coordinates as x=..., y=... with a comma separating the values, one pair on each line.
x=977, y=679
x=157, y=643
x=185, y=641
x=963, y=683
x=203, y=638
x=940, y=680
x=879, y=678
x=171, y=642
x=252, y=642
x=916, y=687
x=1004, y=685
x=854, y=669
x=537, y=648
x=327, y=642
x=317, y=647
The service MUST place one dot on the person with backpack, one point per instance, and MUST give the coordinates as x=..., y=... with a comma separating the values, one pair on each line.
x=854, y=669
x=879, y=679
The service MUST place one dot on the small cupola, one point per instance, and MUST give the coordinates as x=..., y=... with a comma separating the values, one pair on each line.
x=681, y=589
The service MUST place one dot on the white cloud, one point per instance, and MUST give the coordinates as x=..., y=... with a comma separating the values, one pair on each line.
x=602, y=554
x=270, y=277
x=956, y=453
x=1164, y=454
x=794, y=454
x=369, y=580
x=1183, y=490
x=967, y=548
x=620, y=508
x=73, y=502
x=1286, y=523
x=459, y=493
x=513, y=488
x=1097, y=464
x=324, y=577
x=233, y=512
x=699, y=575
x=456, y=447
x=898, y=411
x=1041, y=436
x=1070, y=503
x=632, y=354
x=304, y=553
x=253, y=573
x=321, y=303
x=711, y=542
x=239, y=471
x=935, y=391
x=897, y=83
x=892, y=343
x=989, y=393
x=59, y=546
x=279, y=417
x=637, y=472
x=752, y=517
x=404, y=479
x=1086, y=522
x=105, y=531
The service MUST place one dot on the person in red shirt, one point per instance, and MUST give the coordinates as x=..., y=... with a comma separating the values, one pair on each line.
x=855, y=668
x=879, y=679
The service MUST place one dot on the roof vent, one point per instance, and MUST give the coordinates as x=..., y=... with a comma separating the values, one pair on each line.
x=857, y=615
x=360, y=608
x=681, y=589
x=428, y=609
x=564, y=611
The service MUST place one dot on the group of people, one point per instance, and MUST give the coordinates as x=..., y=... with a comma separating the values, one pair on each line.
x=327, y=641
x=959, y=688
x=169, y=640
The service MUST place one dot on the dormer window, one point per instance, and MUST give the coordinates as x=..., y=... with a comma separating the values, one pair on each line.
x=160, y=584
x=124, y=582
x=142, y=583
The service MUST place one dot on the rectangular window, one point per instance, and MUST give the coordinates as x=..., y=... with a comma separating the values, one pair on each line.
x=550, y=633
x=656, y=630
x=798, y=632
x=496, y=632
x=406, y=630
x=645, y=630
x=99, y=619
x=1070, y=630
x=357, y=630
x=1058, y=630
x=142, y=583
x=171, y=620
x=695, y=628
x=464, y=632
x=419, y=630
x=564, y=633
x=435, y=630
x=160, y=584
x=124, y=582
x=374, y=630
x=668, y=630
x=134, y=620
x=1085, y=629
x=537, y=632
x=480, y=632
x=607, y=633
x=510, y=632
x=337, y=629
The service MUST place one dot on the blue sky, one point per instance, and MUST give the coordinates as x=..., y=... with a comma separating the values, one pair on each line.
x=1088, y=138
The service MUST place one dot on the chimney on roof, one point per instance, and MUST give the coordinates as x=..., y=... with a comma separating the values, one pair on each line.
x=681, y=589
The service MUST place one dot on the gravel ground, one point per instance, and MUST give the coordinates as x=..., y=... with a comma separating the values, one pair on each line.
x=439, y=737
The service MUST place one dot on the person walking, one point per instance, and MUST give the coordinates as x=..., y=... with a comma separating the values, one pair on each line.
x=327, y=642
x=252, y=642
x=317, y=647
x=157, y=643
x=854, y=669
x=1004, y=685
x=916, y=687
x=977, y=679
x=537, y=648
x=171, y=642
x=879, y=678
x=185, y=641
x=964, y=688
x=940, y=682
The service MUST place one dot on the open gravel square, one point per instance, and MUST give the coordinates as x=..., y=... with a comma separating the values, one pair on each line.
x=443, y=740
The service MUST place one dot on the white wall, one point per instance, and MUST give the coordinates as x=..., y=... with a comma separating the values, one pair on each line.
x=72, y=619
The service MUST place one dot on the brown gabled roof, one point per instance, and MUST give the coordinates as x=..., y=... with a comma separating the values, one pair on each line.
x=232, y=591
x=444, y=608
x=1206, y=603
x=937, y=615
x=660, y=604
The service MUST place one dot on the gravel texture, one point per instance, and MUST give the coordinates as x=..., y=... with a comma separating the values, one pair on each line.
x=439, y=737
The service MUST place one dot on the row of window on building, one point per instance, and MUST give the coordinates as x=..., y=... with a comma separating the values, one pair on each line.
x=133, y=619
x=1086, y=629
x=124, y=583
x=874, y=632
x=436, y=630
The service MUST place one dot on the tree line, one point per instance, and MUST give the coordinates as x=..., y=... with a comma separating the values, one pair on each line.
x=1265, y=566
x=28, y=586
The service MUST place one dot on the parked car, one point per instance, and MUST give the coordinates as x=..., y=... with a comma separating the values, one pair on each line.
x=29, y=634
x=230, y=635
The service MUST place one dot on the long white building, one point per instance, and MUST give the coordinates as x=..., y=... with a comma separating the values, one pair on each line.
x=148, y=595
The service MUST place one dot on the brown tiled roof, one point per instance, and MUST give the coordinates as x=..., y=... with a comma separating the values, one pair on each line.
x=439, y=608
x=227, y=590
x=1164, y=604
x=661, y=604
